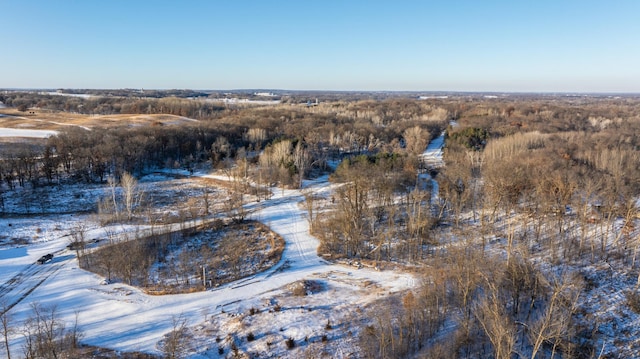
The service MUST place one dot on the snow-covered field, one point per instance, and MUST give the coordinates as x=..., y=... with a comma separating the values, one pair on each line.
x=17, y=132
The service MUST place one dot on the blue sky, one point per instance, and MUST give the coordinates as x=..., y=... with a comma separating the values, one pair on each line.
x=455, y=45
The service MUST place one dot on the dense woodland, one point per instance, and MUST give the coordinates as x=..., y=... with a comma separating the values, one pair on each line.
x=539, y=194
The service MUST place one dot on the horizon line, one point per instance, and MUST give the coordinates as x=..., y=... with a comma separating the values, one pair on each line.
x=545, y=92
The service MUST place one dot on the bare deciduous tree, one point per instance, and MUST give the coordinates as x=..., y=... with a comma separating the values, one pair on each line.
x=497, y=325
x=130, y=193
x=6, y=326
x=415, y=140
x=44, y=333
x=555, y=323
x=112, y=185
x=78, y=241
x=177, y=341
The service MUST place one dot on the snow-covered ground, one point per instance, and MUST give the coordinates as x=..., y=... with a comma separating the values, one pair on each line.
x=123, y=318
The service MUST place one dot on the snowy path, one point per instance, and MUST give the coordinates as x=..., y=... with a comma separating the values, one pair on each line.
x=432, y=156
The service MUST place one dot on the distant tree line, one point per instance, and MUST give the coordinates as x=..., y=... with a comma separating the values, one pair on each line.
x=114, y=105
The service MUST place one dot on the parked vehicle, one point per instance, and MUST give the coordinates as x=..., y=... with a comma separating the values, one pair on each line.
x=45, y=258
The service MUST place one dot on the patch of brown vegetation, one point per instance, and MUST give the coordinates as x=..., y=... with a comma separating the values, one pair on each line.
x=227, y=252
x=88, y=351
x=50, y=120
x=304, y=287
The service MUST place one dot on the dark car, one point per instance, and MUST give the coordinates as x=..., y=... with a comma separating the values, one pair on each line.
x=45, y=258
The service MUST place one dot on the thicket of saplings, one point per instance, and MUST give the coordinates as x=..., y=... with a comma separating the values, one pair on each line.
x=189, y=260
x=378, y=214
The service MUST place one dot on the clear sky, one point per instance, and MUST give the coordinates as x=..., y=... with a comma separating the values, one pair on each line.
x=428, y=45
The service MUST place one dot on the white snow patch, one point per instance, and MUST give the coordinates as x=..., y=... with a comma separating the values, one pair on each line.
x=80, y=95
x=14, y=132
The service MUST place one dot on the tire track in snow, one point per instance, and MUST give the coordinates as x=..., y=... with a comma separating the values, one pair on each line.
x=16, y=289
x=295, y=235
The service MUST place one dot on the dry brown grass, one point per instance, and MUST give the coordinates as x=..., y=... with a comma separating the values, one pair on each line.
x=513, y=145
x=48, y=120
x=164, y=290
